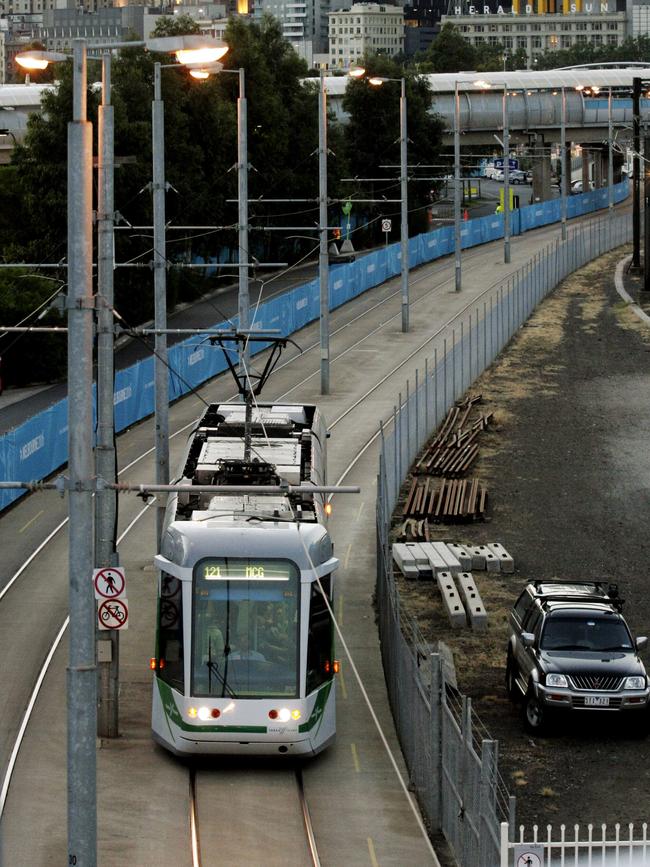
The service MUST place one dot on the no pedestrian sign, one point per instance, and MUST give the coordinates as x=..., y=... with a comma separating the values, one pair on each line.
x=110, y=583
x=386, y=225
x=113, y=614
x=529, y=856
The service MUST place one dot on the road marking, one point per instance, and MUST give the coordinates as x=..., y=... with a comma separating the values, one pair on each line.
x=347, y=556
x=355, y=758
x=30, y=522
x=371, y=850
x=343, y=688
x=360, y=509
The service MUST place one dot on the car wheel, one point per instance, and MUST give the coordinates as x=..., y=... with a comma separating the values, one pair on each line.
x=511, y=683
x=535, y=715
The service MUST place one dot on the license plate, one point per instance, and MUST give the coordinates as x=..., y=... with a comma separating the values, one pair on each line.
x=597, y=701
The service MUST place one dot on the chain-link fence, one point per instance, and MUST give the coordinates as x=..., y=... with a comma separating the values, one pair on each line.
x=451, y=758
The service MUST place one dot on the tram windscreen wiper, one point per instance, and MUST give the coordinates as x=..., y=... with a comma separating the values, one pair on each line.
x=213, y=669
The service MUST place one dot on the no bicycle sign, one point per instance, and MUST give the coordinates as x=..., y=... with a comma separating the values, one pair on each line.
x=113, y=614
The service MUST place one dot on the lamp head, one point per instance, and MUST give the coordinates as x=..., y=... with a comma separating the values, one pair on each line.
x=190, y=49
x=39, y=60
x=356, y=71
x=377, y=81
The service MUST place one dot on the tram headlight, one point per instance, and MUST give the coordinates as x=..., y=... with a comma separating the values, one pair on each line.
x=284, y=714
x=295, y=714
x=191, y=712
x=204, y=713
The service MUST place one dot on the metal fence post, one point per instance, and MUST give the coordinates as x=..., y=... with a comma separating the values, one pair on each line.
x=484, y=334
x=444, y=370
x=453, y=364
x=408, y=422
x=462, y=359
x=417, y=412
x=399, y=450
x=487, y=817
x=435, y=712
x=426, y=397
x=435, y=387
x=395, y=456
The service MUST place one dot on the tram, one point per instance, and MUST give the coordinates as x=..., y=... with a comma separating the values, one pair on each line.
x=244, y=643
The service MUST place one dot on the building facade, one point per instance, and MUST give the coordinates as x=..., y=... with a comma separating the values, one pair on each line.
x=538, y=34
x=304, y=22
x=365, y=28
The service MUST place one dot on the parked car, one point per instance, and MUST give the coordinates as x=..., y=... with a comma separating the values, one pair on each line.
x=529, y=177
x=498, y=175
x=570, y=650
x=490, y=170
x=517, y=176
x=576, y=186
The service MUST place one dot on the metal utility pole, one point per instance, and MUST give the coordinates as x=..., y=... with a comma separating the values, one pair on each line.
x=161, y=377
x=323, y=262
x=563, y=177
x=457, y=196
x=646, y=217
x=242, y=183
x=81, y=674
x=610, y=155
x=506, y=179
x=105, y=498
x=404, y=233
x=636, y=170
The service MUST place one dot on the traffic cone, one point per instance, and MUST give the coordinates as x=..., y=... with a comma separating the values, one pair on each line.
x=465, y=214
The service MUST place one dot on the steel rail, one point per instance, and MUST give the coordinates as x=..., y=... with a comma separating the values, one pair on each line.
x=306, y=818
x=26, y=716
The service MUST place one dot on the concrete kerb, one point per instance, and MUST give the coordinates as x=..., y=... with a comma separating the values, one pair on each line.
x=620, y=288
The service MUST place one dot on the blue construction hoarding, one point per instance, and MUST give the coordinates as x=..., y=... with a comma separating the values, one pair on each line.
x=39, y=446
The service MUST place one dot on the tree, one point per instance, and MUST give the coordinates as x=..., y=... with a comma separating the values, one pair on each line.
x=372, y=136
x=175, y=25
x=450, y=52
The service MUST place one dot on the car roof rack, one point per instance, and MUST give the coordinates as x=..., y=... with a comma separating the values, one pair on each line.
x=605, y=591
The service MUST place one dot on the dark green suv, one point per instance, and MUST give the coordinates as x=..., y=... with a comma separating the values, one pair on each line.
x=570, y=649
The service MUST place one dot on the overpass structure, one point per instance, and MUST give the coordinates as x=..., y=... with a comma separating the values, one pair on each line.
x=17, y=102
x=535, y=112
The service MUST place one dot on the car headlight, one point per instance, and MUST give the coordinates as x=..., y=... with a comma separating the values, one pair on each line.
x=634, y=683
x=554, y=680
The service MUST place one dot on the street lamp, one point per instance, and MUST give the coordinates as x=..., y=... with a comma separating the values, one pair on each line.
x=486, y=85
x=202, y=71
x=82, y=673
x=377, y=81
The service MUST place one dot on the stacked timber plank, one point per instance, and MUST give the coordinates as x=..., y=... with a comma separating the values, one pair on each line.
x=437, y=493
x=448, y=499
x=455, y=447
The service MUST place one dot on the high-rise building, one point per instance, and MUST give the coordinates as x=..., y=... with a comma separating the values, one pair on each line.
x=365, y=28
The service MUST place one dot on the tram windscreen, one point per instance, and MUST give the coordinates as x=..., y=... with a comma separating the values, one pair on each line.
x=245, y=628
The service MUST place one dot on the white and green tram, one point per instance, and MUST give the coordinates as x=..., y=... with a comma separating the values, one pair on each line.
x=244, y=645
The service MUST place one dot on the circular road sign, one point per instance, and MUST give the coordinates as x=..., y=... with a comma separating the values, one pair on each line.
x=109, y=582
x=113, y=613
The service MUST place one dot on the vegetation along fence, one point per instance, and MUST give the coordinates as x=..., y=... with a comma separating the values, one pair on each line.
x=451, y=758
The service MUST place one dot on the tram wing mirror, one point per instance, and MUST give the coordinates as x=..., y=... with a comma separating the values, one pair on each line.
x=527, y=639
x=641, y=642
x=162, y=564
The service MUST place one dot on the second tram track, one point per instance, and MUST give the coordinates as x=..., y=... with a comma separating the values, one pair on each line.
x=4, y=787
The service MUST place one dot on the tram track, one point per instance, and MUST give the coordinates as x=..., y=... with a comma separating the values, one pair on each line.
x=291, y=811
x=439, y=287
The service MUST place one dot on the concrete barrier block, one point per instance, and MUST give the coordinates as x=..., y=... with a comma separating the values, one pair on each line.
x=476, y=612
x=436, y=563
x=451, y=599
x=405, y=561
x=492, y=562
x=461, y=554
x=452, y=562
x=421, y=559
x=478, y=553
x=506, y=561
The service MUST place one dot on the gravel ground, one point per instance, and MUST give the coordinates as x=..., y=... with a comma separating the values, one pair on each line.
x=568, y=471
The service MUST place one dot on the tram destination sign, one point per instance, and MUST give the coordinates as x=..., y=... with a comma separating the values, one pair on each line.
x=250, y=570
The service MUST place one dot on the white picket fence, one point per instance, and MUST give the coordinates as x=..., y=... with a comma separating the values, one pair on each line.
x=576, y=846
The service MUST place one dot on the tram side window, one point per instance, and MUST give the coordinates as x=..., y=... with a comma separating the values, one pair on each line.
x=170, y=632
x=320, y=643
